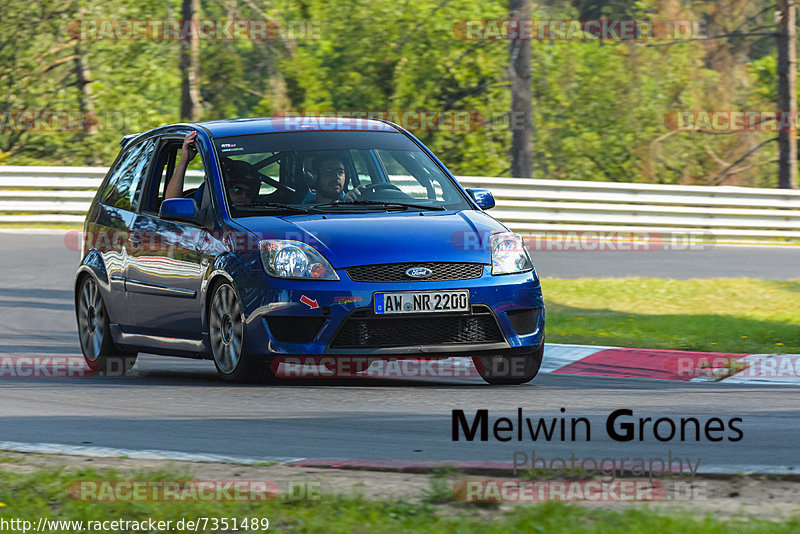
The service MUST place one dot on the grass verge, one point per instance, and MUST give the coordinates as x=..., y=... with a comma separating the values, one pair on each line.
x=44, y=493
x=739, y=315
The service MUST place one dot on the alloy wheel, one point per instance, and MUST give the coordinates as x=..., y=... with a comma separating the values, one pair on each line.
x=226, y=329
x=91, y=319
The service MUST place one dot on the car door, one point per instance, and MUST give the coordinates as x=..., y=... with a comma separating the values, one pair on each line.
x=110, y=228
x=165, y=270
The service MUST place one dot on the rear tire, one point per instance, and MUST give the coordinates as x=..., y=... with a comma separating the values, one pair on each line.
x=226, y=335
x=99, y=351
x=502, y=370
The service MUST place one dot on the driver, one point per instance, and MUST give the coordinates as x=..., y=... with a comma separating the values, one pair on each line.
x=329, y=187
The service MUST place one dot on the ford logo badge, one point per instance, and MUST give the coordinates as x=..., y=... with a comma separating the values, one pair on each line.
x=418, y=272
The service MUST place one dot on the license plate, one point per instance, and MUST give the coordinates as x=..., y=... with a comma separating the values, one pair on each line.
x=422, y=302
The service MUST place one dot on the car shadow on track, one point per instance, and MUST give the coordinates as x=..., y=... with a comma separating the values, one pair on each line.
x=153, y=370
x=211, y=379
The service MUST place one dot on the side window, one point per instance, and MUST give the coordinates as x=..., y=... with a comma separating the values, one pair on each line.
x=127, y=181
x=165, y=165
x=195, y=173
x=169, y=154
x=127, y=160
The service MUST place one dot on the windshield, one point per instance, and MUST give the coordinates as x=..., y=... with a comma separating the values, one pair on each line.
x=331, y=171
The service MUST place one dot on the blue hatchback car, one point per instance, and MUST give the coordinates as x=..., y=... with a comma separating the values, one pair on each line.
x=297, y=238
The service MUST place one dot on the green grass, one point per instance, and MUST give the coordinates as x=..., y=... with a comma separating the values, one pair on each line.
x=716, y=315
x=43, y=493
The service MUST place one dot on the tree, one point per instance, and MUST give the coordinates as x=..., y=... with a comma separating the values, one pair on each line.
x=787, y=93
x=519, y=71
x=189, y=64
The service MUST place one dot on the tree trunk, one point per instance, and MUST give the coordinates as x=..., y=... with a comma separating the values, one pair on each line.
x=85, y=96
x=521, y=123
x=787, y=96
x=190, y=64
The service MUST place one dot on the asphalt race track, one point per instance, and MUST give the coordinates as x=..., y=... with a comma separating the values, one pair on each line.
x=720, y=261
x=172, y=404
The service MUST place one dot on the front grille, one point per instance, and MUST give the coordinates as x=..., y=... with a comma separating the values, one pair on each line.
x=396, y=272
x=363, y=329
x=287, y=329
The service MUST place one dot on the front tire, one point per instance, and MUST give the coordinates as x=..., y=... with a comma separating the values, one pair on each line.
x=101, y=355
x=502, y=370
x=226, y=335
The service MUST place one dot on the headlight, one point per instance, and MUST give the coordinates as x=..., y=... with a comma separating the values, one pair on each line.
x=509, y=254
x=294, y=259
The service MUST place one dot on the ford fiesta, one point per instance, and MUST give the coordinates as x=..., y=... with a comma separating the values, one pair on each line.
x=289, y=238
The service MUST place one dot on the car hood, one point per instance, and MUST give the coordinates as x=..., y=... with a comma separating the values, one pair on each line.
x=349, y=239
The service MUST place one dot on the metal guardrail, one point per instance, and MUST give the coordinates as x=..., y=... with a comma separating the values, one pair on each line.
x=52, y=195
x=723, y=212
x=62, y=195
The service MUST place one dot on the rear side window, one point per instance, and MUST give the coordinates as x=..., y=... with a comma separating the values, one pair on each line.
x=128, y=176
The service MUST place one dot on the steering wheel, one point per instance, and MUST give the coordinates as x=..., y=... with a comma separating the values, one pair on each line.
x=372, y=188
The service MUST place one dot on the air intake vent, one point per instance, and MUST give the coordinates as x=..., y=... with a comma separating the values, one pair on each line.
x=524, y=321
x=363, y=329
x=287, y=329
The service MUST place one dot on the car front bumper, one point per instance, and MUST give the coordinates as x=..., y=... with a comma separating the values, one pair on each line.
x=307, y=318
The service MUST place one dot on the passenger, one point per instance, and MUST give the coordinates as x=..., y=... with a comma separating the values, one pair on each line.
x=188, y=152
x=241, y=182
x=241, y=179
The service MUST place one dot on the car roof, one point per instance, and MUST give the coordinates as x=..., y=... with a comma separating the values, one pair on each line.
x=256, y=125
x=228, y=127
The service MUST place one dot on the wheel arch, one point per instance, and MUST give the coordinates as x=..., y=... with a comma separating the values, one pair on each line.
x=217, y=278
x=94, y=266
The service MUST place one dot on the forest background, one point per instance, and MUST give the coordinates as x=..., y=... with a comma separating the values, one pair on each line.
x=600, y=109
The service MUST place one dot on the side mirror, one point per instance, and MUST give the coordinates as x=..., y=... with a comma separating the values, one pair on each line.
x=179, y=209
x=482, y=197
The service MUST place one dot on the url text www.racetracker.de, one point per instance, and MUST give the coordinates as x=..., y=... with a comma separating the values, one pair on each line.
x=193, y=524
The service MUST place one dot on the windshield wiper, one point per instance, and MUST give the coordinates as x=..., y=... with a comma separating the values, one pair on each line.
x=380, y=203
x=288, y=207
